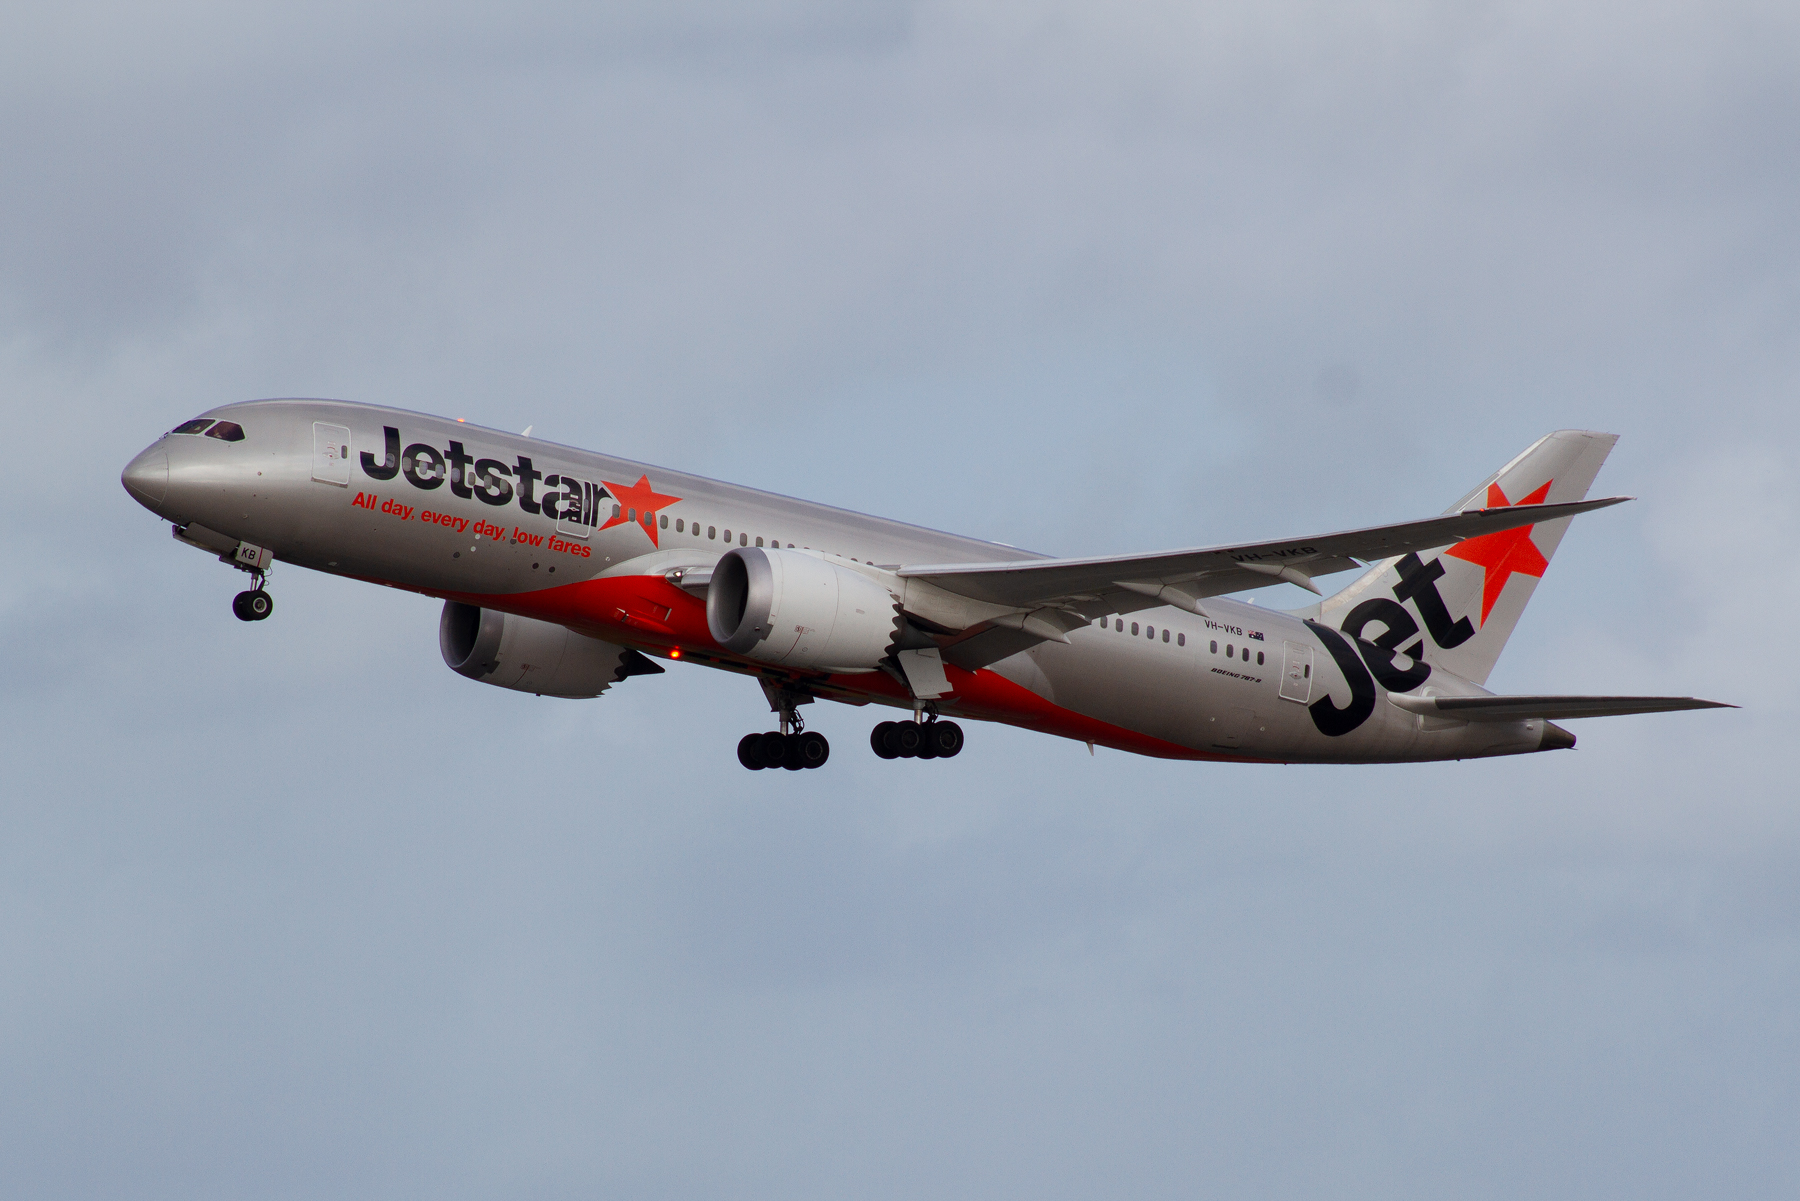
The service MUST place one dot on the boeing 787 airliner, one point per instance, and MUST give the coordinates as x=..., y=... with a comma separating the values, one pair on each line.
x=564, y=572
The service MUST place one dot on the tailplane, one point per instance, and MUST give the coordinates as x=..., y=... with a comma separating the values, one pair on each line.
x=1455, y=607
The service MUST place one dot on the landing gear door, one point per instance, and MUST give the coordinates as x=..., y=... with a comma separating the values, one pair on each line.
x=1296, y=672
x=331, y=454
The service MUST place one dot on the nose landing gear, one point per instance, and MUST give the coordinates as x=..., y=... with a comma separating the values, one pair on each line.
x=254, y=605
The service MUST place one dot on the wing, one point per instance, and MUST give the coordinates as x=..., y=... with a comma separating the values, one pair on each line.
x=1555, y=708
x=1214, y=570
x=1057, y=595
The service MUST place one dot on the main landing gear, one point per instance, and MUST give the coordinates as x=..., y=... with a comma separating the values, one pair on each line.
x=793, y=751
x=929, y=739
x=793, y=746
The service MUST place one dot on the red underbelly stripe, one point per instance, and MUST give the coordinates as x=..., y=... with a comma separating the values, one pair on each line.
x=650, y=613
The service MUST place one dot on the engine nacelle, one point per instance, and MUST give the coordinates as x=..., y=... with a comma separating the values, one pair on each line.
x=797, y=610
x=528, y=655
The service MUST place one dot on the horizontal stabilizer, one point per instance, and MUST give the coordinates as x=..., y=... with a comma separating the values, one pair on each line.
x=1555, y=708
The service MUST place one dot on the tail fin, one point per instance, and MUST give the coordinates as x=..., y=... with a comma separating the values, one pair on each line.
x=1455, y=607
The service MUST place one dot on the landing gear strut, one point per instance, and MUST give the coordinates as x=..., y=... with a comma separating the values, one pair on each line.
x=793, y=746
x=929, y=739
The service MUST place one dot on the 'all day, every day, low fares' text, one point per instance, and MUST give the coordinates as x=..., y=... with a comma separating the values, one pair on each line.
x=393, y=508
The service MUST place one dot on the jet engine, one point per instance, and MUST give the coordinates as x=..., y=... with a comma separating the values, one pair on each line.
x=797, y=610
x=528, y=655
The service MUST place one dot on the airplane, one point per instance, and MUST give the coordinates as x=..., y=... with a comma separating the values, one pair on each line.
x=565, y=572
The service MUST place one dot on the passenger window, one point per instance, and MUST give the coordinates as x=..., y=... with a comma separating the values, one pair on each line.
x=1119, y=624
x=679, y=527
x=615, y=510
x=728, y=535
x=743, y=540
x=1228, y=650
x=227, y=431
x=1165, y=634
x=1181, y=640
x=192, y=427
x=1134, y=629
x=712, y=531
x=632, y=514
x=759, y=542
x=1149, y=631
x=1215, y=647
x=1259, y=656
x=665, y=522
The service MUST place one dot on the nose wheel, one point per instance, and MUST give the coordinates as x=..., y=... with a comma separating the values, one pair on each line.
x=917, y=740
x=252, y=605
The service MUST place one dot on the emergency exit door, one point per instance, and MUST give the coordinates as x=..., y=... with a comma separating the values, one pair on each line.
x=331, y=454
x=1296, y=672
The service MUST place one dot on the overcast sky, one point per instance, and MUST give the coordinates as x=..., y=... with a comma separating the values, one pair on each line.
x=290, y=910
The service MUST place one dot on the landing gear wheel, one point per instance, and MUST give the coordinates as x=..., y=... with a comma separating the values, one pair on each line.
x=916, y=740
x=945, y=738
x=813, y=749
x=795, y=751
x=927, y=748
x=252, y=606
x=774, y=750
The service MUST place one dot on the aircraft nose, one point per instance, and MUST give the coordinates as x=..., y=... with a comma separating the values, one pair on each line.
x=147, y=477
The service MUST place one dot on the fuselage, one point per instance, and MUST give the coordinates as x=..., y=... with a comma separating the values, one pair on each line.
x=589, y=541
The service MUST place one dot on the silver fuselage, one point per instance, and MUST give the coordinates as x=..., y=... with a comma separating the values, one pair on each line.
x=1206, y=687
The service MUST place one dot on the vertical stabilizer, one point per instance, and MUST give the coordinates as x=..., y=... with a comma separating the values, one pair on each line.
x=1455, y=607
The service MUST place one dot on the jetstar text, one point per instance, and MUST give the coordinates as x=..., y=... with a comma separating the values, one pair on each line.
x=562, y=498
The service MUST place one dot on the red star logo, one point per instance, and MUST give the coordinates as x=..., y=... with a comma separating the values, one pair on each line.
x=640, y=498
x=1504, y=553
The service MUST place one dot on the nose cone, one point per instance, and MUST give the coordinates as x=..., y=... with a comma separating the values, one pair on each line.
x=147, y=477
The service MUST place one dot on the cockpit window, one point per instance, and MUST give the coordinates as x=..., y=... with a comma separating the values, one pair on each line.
x=192, y=427
x=227, y=431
